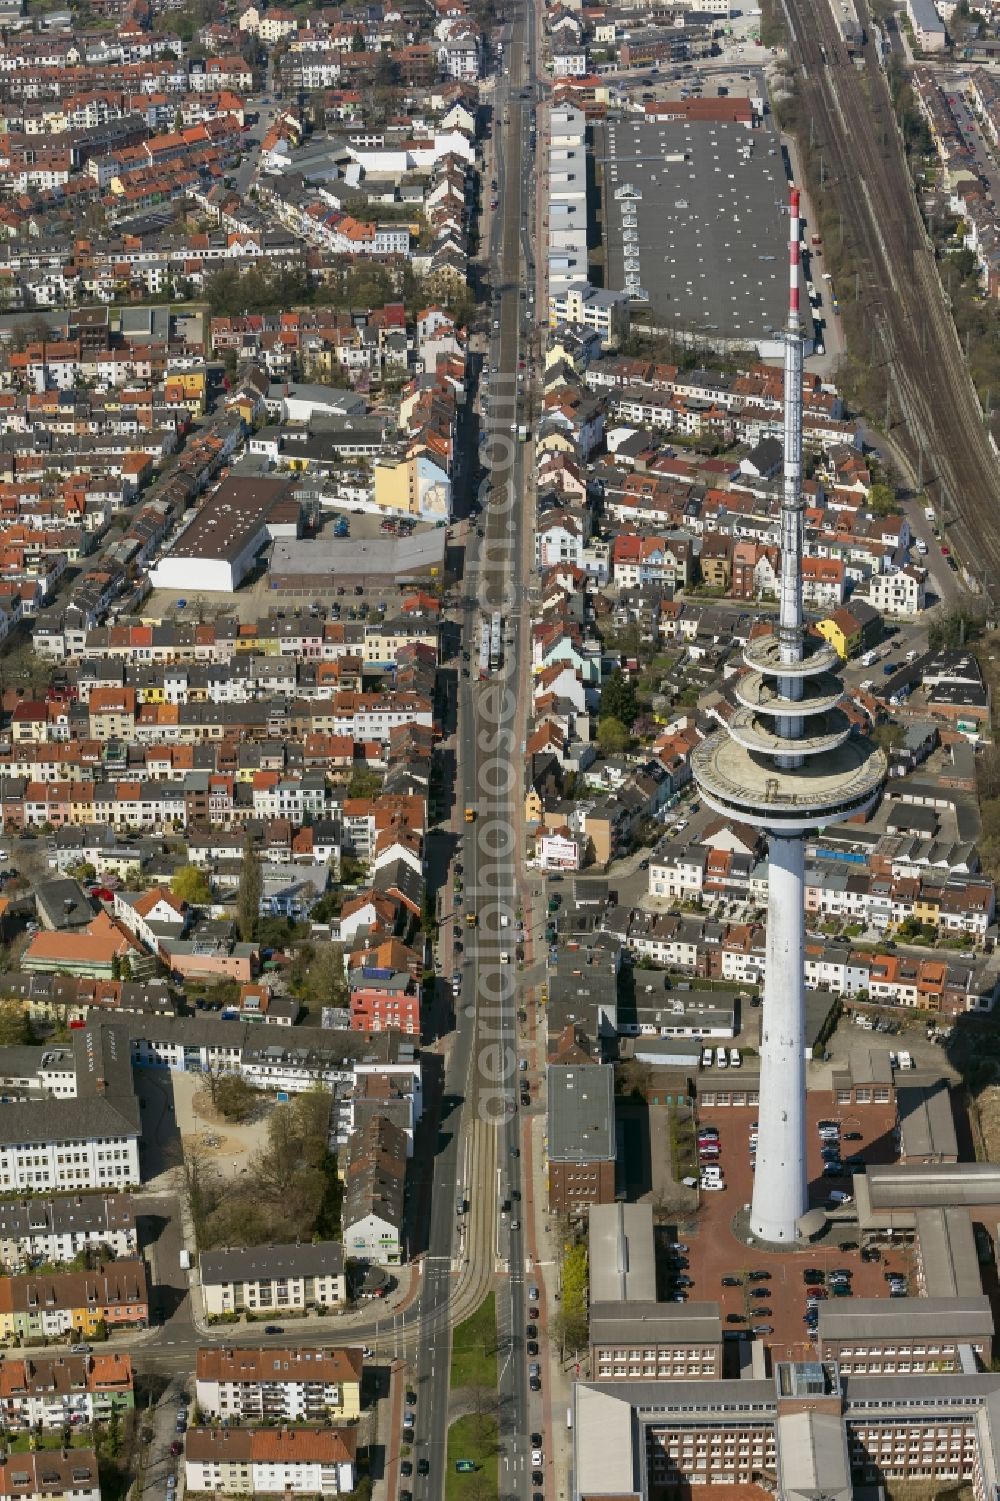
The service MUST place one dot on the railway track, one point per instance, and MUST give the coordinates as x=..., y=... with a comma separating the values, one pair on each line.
x=937, y=419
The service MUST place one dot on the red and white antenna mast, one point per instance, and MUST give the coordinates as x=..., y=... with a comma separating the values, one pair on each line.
x=790, y=619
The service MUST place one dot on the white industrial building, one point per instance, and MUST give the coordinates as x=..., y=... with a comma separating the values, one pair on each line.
x=217, y=550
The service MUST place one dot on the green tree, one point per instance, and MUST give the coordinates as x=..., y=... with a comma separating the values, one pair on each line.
x=364, y=783
x=882, y=500
x=15, y=1025
x=250, y=892
x=386, y=71
x=570, y=1324
x=235, y=1098
x=951, y=628
x=618, y=700
x=888, y=736
x=320, y=980
x=612, y=736
x=191, y=885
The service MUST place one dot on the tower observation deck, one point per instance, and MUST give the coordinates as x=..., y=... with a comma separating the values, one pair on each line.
x=787, y=763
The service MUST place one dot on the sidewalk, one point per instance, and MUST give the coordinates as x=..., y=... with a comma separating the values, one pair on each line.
x=388, y=1427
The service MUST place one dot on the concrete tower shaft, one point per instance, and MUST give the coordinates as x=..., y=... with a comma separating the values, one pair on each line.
x=787, y=763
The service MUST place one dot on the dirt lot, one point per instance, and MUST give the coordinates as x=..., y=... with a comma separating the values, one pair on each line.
x=229, y=1147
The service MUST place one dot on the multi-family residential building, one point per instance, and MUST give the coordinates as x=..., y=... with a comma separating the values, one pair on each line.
x=45, y=1305
x=87, y=1137
x=270, y=1461
x=304, y=1385
x=274, y=1279
x=51, y=1475
x=58, y=1229
x=55, y=1391
x=901, y=593
x=373, y=1208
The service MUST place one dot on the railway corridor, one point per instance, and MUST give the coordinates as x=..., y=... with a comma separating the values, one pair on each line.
x=936, y=417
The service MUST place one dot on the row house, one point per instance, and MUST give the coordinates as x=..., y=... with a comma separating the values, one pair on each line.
x=42, y=1306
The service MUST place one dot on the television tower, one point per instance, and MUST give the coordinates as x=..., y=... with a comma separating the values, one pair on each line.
x=787, y=763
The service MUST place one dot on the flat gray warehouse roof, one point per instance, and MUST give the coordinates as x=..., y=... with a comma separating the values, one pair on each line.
x=391, y=557
x=622, y=1254
x=926, y=1121
x=948, y=1253
x=694, y=213
x=581, y=1112
x=902, y=1318
x=654, y=1323
x=935, y=1183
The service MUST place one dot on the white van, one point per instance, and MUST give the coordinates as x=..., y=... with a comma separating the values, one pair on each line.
x=905, y=1061
x=735, y=1061
x=721, y=1061
x=706, y=1057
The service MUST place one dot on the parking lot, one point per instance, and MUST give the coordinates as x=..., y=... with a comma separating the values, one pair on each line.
x=716, y=1251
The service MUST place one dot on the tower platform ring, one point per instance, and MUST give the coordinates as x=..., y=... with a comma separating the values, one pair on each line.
x=759, y=691
x=827, y=788
x=763, y=654
x=822, y=732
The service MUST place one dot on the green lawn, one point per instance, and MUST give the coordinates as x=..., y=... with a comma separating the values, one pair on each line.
x=474, y=1348
x=23, y=1443
x=473, y=1437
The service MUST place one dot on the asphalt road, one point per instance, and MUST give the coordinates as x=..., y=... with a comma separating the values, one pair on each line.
x=475, y=1160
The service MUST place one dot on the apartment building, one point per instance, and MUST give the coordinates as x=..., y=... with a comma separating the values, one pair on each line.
x=373, y=1209
x=41, y=1306
x=57, y=1229
x=58, y=1390
x=51, y=1475
x=268, y=1461
x=88, y=1137
x=274, y=1279
x=304, y=1385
